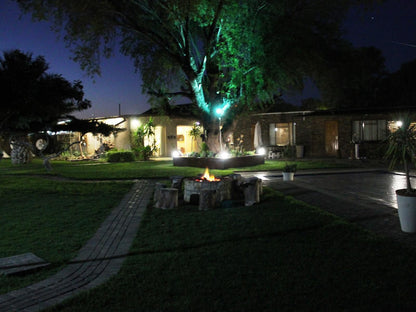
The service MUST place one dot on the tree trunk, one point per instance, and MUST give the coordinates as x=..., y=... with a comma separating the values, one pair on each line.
x=20, y=153
x=213, y=137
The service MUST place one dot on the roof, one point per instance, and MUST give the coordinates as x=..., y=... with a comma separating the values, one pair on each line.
x=179, y=110
x=373, y=110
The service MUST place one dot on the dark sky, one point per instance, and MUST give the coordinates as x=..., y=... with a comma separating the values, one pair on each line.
x=390, y=27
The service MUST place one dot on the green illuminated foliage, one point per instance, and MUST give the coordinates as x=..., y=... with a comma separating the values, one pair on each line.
x=206, y=50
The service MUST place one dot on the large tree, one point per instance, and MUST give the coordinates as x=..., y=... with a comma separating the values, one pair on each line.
x=232, y=55
x=32, y=100
x=397, y=89
x=352, y=78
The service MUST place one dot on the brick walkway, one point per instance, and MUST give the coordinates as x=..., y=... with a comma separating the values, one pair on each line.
x=96, y=262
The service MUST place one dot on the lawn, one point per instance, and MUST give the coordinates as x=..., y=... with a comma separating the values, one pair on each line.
x=150, y=169
x=280, y=255
x=51, y=218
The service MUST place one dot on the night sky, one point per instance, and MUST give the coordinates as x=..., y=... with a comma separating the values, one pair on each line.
x=390, y=27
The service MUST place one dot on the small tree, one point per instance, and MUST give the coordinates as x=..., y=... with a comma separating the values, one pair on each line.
x=145, y=132
x=402, y=148
x=196, y=132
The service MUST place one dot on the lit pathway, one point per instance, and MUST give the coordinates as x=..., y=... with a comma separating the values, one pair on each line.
x=96, y=262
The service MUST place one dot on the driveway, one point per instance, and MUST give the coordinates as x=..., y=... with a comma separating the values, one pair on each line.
x=364, y=197
x=369, y=187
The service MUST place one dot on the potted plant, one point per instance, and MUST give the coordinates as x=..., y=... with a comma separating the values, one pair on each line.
x=289, y=172
x=402, y=149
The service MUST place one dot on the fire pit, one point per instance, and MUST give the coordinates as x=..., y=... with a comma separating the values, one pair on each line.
x=222, y=187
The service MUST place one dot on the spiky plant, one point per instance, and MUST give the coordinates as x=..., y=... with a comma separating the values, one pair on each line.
x=402, y=147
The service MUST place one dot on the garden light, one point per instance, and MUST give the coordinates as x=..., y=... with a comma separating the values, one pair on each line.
x=224, y=155
x=176, y=154
x=219, y=111
x=261, y=151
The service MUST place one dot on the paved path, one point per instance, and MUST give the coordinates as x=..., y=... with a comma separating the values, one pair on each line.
x=96, y=262
x=363, y=197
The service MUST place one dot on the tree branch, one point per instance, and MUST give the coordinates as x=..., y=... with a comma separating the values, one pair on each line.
x=160, y=94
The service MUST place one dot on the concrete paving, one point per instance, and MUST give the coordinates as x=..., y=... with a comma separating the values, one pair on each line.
x=364, y=197
x=96, y=262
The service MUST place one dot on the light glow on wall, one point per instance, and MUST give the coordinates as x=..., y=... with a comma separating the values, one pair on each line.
x=135, y=123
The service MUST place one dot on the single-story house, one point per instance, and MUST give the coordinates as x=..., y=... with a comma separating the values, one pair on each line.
x=331, y=133
x=318, y=134
x=172, y=133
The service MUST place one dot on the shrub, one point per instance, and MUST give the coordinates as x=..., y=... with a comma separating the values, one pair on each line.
x=144, y=152
x=120, y=156
x=194, y=154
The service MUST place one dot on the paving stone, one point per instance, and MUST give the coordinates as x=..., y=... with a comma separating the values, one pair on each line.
x=96, y=262
x=21, y=263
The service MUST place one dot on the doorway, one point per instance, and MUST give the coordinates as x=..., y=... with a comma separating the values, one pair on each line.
x=331, y=138
x=183, y=139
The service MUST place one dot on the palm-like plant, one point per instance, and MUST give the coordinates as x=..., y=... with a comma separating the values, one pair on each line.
x=402, y=148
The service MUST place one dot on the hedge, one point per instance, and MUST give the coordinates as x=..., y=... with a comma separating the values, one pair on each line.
x=120, y=156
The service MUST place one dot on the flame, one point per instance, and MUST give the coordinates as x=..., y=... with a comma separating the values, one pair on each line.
x=208, y=177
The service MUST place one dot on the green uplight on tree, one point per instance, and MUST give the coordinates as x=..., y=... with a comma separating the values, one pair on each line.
x=220, y=112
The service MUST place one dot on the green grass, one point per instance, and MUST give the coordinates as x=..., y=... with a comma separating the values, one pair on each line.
x=149, y=169
x=51, y=218
x=280, y=255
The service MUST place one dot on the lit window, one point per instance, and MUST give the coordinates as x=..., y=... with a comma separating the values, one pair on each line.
x=280, y=133
x=369, y=130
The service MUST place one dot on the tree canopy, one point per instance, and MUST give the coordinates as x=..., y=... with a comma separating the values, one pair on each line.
x=398, y=88
x=32, y=99
x=352, y=77
x=219, y=53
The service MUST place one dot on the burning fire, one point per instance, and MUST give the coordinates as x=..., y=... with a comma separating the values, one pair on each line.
x=208, y=177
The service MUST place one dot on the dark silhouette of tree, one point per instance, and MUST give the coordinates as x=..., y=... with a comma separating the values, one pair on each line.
x=352, y=77
x=398, y=89
x=33, y=101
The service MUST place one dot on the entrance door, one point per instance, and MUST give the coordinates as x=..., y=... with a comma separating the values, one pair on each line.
x=331, y=138
x=184, y=140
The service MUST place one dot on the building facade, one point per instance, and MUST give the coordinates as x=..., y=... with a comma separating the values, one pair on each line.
x=320, y=134
x=323, y=134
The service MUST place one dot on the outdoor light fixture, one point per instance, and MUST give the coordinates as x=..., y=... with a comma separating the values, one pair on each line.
x=176, y=153
x=399, y=123
x=135, y=123
x=224, y=155
x=261, y=151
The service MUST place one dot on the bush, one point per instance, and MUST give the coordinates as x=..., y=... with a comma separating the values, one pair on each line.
x=144, y=152
x=194, y=154
x=120, y=156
